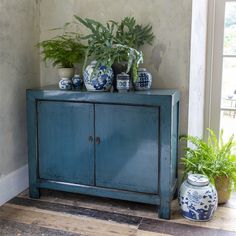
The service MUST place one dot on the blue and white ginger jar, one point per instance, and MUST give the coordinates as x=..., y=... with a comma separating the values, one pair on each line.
x=197, y=198
x=99, y=80
x=123, y=82
x=144, y=80
x=77, y=82
x=65, y=84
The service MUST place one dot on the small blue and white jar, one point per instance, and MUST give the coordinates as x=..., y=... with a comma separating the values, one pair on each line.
x=144, y=80
x=197, y=198
x=65, y=84
x=99, y=80
x=123, y=82
x=77, y=82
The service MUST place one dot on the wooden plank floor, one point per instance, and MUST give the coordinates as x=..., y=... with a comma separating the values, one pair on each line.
x=57, y=213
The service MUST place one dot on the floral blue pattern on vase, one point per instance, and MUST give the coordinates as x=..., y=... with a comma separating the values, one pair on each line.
x=144, y=80
x=197, y=198
x=99, y=80
x=77, y=82
x=65, y=84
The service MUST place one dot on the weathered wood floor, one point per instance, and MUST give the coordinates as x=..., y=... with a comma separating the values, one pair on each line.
x=68, y=214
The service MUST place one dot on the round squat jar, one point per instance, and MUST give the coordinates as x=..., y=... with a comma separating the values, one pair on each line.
x=197, y=198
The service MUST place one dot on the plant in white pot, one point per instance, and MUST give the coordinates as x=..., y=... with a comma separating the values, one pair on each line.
x=63, y=51
x=105, y=50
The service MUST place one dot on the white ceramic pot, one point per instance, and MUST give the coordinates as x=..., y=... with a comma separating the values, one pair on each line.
x=66, y=73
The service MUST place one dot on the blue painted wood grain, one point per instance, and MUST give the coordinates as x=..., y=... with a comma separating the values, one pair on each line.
x=65, y=152
x=100, y=191
x=126, y=159
x=32, y=146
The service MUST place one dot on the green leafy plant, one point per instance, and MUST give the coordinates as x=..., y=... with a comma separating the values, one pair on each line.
x=132, y=34
x=63, y=51
x=213, y=158
x=106, y=49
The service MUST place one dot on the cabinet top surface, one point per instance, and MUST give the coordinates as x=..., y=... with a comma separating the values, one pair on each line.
x=149, y=97
x=55, y=89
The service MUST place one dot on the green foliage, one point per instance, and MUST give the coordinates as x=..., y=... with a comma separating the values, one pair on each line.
x=64, y=50
x=106, y=48
x=212, y=158
x=132, y=34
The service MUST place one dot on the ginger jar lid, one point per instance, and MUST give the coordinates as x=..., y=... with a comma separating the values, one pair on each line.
x=123, y=76
x=93, y=63
x=198, y=180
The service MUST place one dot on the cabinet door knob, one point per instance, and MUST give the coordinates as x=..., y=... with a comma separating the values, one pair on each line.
x=98, y=140
x=90, y=139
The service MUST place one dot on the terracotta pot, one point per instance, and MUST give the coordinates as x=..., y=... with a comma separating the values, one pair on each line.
x=223, y=187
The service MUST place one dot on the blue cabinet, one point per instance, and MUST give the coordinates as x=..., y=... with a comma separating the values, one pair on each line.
x=64, y=146
x=121, y=146
x=126, y=157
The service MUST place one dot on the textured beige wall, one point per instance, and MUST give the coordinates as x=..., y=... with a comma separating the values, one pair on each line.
x=19, y=69
x=168, y=58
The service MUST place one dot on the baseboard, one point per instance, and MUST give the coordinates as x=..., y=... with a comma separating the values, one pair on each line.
x=13, y=184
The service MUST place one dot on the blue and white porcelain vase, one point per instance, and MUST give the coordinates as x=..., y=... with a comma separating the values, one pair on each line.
x=77, y=82
x=123, y=82
x=99, y=80
x=144, y=80
x=197, y=198
x=65, y=84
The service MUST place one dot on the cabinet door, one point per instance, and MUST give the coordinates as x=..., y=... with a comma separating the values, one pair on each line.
x=66, y=153
x=127, y=154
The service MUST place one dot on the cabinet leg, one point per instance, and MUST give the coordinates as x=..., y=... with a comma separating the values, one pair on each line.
x=164, y=211
x=34, y=193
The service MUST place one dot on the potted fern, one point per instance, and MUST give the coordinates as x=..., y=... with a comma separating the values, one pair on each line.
x=63, y=51
x=109, y=43
x=215, y=159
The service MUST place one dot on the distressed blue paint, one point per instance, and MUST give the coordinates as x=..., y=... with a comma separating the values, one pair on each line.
x=136, y=158
x=101, y=192
x=65, y=154
x=130, y=133
x=32, y=146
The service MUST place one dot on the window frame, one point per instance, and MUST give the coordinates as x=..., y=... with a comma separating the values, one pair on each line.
x=214, y=68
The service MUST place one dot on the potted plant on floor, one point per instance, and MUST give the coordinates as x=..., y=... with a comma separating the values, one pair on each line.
x=63, y=51
x=215, y=159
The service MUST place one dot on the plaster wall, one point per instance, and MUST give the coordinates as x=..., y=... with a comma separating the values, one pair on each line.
x=168, y=59
x=19, y=69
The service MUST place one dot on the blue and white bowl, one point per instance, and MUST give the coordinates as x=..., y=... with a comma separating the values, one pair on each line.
x=99, y=80
x=197, y=198
x=65, y=84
